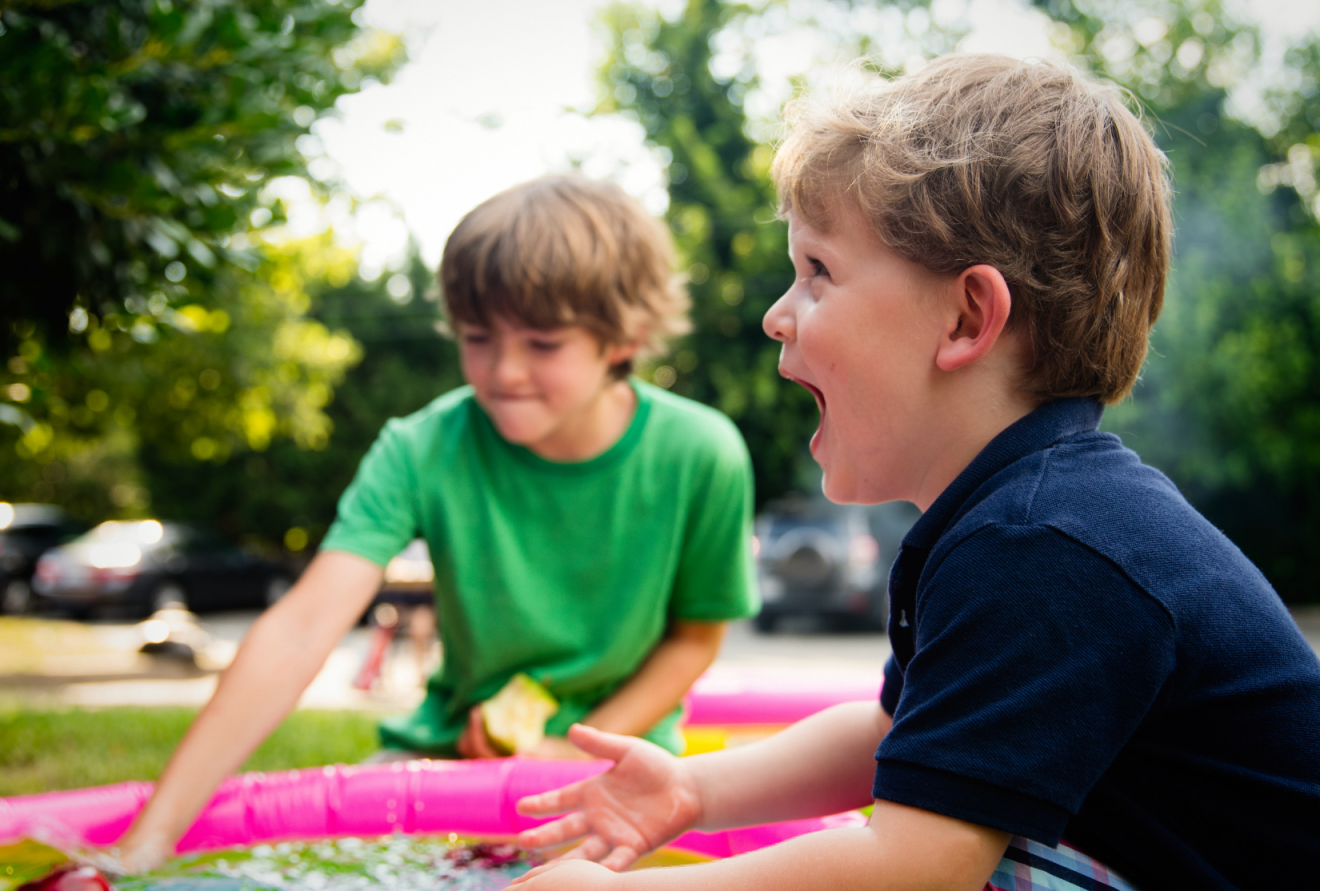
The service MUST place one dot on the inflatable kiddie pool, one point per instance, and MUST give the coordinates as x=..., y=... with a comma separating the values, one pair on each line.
x=414, y=797
x=473, y=797
x=425, y=797
x=731, y=706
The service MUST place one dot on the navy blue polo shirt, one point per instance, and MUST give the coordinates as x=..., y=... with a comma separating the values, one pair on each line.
x=1080, y=655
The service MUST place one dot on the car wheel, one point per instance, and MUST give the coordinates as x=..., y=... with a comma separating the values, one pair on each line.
x=874, y=619
x=168, y=595
x=276, y=587
x=765, y=621
x=17, y=598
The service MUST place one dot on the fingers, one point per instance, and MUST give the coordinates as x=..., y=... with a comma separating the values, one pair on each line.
x=599, y=743
x=484, y=747
x=560, y=832
x=593, y=848
x=556, y=801
x=533, y=873
x=619, y=859
x=465, y=744
x=474, y=743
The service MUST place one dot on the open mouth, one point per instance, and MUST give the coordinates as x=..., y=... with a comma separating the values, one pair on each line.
x=820, y=397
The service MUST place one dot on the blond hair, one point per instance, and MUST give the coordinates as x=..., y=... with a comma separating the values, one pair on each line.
x=566, y=250
x=1026, y=166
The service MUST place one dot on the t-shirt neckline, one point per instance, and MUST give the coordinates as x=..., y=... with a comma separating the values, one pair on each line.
x=612, y=455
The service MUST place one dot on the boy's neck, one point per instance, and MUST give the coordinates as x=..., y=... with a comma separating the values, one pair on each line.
x=591, y=431
x=973, y=422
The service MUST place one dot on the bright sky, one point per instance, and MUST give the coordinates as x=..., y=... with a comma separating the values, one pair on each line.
x=488, y=100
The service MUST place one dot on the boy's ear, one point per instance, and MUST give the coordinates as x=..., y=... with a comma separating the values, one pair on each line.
x=621, y=352
x=982, y=302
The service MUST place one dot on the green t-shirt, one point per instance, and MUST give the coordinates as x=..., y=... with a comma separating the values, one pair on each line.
x=570, y=572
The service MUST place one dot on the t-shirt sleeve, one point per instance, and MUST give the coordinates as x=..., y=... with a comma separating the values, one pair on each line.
x=377, y=514
x=716, y=579
x=1035, y=661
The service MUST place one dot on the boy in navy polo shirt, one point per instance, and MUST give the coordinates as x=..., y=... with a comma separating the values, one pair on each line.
x=1089, y=681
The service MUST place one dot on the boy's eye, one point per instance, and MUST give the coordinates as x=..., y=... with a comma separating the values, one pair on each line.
x=546, y=346
x=475, y=338
x=817, y=267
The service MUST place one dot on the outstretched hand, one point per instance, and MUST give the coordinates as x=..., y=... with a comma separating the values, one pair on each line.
x=134, y=854
x=647, y=799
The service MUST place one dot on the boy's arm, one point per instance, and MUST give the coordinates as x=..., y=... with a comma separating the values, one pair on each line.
x=902, y=849
x=821, y=765
x=660, y=684
x=650, y=797
x=279, y=657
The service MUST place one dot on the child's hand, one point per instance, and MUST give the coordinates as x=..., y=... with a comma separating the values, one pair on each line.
x=137, y=853
x=647, y=799
x=474, y=743
x=570, y=875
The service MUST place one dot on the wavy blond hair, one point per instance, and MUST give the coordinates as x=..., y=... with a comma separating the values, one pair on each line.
x=1026, y=166
x=566, y=250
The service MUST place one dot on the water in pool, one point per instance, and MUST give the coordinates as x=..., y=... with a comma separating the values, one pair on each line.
x=397, y=863
x=346, y=864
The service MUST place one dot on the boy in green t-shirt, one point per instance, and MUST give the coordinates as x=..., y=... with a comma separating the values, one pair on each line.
x=587, y=529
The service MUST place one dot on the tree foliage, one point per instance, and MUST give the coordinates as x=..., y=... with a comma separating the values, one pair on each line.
x=722, y=212
x=288, y=493
x=135, y=137
x=1230, y=401
x=152, y=311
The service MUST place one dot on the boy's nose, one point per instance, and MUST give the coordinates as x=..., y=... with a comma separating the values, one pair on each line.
x=510, y=367
x=779, y=323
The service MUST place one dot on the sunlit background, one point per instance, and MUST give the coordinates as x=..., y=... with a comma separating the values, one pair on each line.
x=499, y=92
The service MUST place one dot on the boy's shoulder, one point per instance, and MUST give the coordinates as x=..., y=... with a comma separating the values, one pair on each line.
x=677, y=423
x=1095, y=492
x=445, y=412
x=671, y=408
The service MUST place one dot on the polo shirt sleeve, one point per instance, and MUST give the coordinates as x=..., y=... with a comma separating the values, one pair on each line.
x=1035, y=660
x=377, y=514
x=716, y=579
x=892, y=688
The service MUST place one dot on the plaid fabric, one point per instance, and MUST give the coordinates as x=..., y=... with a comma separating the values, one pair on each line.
x=1030, y=866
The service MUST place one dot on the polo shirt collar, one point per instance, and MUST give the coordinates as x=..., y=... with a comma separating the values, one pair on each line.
x=1047, y=425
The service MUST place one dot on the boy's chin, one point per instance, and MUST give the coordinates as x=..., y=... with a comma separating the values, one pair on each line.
x=520, y=436
x=843, y=489
x=837, y=490
x=516, y=428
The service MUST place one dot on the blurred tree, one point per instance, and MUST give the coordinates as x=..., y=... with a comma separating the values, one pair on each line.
x=722, y=212
x=135, y=137
x=142, y=308
x=287, y=493
x=1230, y=401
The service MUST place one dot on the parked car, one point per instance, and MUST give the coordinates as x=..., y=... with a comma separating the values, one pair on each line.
x=821, y=559
x=147, y=565
x=26, y=532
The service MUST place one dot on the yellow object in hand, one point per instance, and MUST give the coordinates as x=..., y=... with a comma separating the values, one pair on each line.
x=515, y=717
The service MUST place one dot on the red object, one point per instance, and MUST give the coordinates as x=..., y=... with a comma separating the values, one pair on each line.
x=381, y=638
x=69, y=877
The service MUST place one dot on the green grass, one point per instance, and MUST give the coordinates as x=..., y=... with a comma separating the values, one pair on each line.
x=44, y=749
